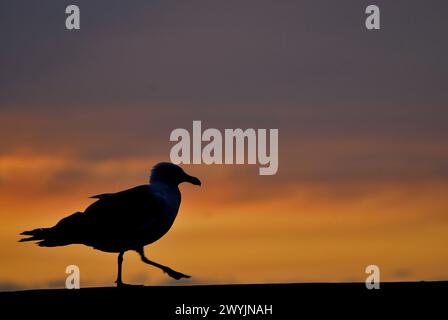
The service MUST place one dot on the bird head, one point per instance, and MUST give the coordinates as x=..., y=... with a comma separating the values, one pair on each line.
x=172, y=174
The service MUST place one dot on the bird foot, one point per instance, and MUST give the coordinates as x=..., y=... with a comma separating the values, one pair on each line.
x=126, y=285
x=174, y=274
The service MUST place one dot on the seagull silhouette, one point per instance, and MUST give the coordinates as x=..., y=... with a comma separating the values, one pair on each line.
x=123, y=221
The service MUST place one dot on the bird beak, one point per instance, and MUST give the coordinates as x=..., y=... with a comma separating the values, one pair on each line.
x=193, y=180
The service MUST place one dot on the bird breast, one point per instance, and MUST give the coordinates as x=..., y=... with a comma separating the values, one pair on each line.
x=160, y=222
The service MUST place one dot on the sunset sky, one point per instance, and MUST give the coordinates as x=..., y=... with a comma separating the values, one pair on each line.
x=362, y=119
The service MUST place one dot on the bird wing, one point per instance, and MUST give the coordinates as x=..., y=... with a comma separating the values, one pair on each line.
x=125, y=215
x=102, y=195
x=128, y=206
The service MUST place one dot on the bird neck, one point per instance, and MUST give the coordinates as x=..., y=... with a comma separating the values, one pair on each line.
x=169, y=189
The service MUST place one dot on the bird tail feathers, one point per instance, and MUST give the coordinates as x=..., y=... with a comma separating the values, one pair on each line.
x=36, y=234
x=59, y=235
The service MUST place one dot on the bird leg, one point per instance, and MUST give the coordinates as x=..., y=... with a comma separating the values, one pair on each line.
x=119, y=282
x=172, y=273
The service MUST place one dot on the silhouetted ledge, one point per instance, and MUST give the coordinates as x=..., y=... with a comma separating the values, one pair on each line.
x=286, y=299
